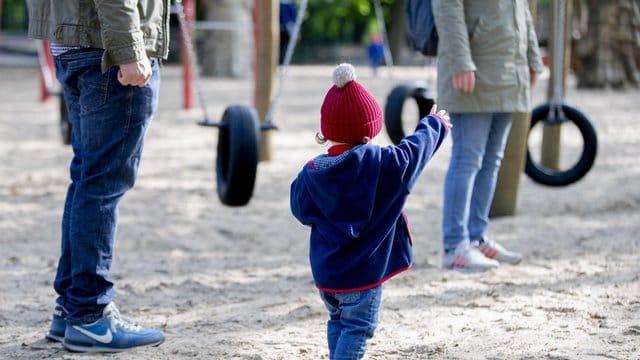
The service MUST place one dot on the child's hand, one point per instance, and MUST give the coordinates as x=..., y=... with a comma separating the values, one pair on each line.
x=443, y=115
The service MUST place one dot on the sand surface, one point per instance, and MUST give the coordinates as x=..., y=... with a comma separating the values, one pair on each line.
x=234, y=283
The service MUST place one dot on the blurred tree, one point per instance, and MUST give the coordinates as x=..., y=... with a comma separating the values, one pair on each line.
x=607, y=43
x=13, y=15
x=229, y=52
x=397, y=29
x=343, y=21
x=226, y=52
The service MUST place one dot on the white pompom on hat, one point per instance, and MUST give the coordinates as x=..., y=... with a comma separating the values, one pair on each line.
x=349, y=114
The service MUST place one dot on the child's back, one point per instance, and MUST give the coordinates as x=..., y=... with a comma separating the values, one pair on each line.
x=353, y=196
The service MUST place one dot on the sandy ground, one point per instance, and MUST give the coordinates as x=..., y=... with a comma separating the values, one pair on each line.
x=234, y=283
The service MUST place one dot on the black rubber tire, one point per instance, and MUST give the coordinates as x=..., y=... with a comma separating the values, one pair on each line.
x=393, y=121
x=238, y=155
x=552, y=177
x=64, y=125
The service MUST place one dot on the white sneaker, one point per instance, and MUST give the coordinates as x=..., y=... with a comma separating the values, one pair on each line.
x=467, y=258
x=493, y=250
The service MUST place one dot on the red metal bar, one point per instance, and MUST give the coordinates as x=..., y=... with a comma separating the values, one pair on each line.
x=47, y=70
x=0, y=14
x=189, y=7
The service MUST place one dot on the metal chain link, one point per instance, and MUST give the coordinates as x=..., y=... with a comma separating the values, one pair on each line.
x=186, y=38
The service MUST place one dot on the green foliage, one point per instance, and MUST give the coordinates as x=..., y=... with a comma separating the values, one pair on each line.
x=345, y=21
x=544, y=3
x=14, y=15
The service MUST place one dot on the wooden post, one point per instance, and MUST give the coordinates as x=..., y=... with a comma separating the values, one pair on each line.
x=550, y=155
x=267, y=38
x=505, y=198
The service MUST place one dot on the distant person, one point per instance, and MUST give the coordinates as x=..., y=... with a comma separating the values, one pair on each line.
x=107, y=58
x=375, y=51
x=488, y=59
x=288, y=16
x=352, y=197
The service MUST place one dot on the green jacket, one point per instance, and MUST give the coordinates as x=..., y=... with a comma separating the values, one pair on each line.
x=494, y=38
x=128, y=30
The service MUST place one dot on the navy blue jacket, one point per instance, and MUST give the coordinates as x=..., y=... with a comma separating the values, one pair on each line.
x=353, y=202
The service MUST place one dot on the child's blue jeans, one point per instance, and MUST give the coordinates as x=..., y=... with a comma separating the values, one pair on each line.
x=353, y=318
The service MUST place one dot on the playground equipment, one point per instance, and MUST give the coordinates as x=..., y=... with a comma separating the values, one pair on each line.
x=239, y=137
x=393, y=109
x=47, y=89
x=556, y=113
x=238, y=148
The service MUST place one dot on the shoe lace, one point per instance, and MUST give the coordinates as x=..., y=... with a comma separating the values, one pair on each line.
x=118, y=320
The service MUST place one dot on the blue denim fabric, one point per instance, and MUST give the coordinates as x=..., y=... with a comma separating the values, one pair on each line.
x=353, y=318
x=109, y=122
x=478, y=148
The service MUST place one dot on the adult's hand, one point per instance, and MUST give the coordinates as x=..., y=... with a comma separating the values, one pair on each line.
x=465, y=81
x=533, y=77
x=136, y=73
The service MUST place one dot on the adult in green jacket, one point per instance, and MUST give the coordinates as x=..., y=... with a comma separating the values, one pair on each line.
x=107, y=57
x=488, y=59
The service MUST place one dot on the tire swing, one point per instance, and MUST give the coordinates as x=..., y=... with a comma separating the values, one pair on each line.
x=238, y=154
x=64, y=125
x=557, y=112
x=393, y=108
x=238, y=148
x=552, y=114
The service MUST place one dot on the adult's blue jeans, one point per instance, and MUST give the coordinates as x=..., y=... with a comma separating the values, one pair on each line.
x=109, y=122
x=353, y=318
x=479, y=140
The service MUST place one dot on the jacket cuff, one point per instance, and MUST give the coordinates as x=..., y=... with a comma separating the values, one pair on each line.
x=123, y=55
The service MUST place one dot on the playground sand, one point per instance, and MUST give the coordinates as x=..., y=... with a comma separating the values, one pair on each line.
x=234, y=283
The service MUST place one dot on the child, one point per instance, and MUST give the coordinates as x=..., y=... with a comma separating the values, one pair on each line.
x=352, y=197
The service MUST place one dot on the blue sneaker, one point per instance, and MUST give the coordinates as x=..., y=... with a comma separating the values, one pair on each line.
x=58, y=324
x=111, y=333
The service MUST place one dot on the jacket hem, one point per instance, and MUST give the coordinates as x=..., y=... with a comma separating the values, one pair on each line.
x=366, y=287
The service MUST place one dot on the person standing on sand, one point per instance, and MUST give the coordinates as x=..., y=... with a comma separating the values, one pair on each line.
x=488, y=59
x=107, y=58
x=352, y=198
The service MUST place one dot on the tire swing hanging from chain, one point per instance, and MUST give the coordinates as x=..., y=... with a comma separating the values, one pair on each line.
x=393, y=109
x=557, y=112
x=238, y=148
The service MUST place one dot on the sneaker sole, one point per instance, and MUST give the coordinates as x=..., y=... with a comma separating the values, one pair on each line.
x=54, y=337
x=470, y=270
x=516, y=262
x=95, y=349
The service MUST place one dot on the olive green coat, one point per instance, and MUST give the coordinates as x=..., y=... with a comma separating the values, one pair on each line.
x=128, y=30
x=496, y=40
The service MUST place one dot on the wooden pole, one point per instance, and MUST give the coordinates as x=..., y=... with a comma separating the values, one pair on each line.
x=267, y=38
x=505, y=198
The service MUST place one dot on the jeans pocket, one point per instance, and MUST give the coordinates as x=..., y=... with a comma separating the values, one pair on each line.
x=92, y=83
x=94, y=87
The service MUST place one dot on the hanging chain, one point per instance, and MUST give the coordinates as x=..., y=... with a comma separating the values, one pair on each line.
x=186, y=37
x=191, y=54
x=286, y=61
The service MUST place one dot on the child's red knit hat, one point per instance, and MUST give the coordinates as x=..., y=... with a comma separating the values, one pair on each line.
x=349, y=112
